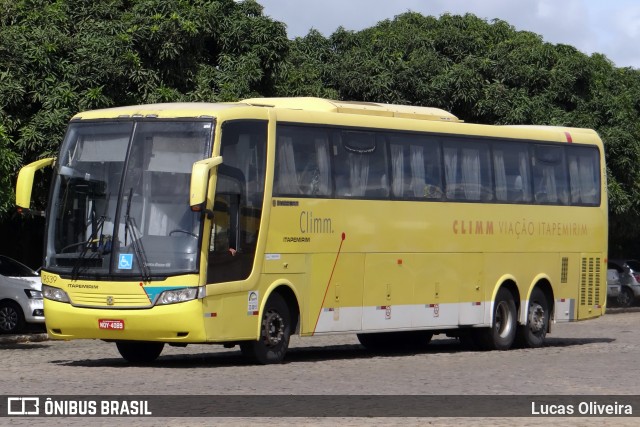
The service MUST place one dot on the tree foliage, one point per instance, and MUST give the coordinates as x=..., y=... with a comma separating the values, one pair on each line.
x=58, y=57
x=485, y=72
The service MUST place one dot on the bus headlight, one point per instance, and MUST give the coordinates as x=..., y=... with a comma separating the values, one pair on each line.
x=55, y=294
x=180, y=295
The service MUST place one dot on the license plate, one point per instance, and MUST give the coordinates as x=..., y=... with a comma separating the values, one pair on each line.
x=117, y=325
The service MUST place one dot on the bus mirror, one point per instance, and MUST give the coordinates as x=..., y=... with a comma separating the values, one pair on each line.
x=199, y=181
x=25, y=181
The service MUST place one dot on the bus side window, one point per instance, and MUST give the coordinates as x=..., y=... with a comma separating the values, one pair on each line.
x=511, y=165
x=467, y=171
x=584, y=175
x=415, y=167
x=224, y=228
x=302, y=162
x=238, y=201
x=360, y=165
x=549, y=172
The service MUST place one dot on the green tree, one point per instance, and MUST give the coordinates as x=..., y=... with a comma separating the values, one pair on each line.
x=304, y=73
x=59, y=57
x=486, y=72
x=9, y=162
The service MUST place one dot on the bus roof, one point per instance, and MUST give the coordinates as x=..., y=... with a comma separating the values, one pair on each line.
x=362, y=109
x=303, y=103
x=172, y=109
x=355, y=107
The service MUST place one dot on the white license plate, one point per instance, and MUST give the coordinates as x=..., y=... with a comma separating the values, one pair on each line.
x=117, y=325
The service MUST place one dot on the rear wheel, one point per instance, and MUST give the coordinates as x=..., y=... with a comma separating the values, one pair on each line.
x=273, y=343
x=139, y=351
x=11, y=318
x=502, y=333
x=625, y=297
x=395, y=341
x=532, y=334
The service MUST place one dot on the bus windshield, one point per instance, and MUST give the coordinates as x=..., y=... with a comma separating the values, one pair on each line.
x=121, y=199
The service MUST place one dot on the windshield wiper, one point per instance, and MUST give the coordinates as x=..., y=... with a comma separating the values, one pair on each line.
x=90, y=243
x=130, y=227
x=99, y=245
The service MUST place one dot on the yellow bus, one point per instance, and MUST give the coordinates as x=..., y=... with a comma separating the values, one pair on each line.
x=243, y=223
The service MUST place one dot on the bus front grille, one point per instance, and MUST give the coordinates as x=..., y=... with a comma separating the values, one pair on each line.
x=82, y=299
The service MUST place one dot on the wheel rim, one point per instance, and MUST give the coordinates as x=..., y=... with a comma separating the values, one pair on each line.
x=273, y=328
x=537, y=318
x=8, y=319
x=503, y=321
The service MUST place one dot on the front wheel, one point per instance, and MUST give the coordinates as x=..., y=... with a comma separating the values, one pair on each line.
x=11, y=318
x=502, y=333
x=273, y=343
x=139, y=351
x=532, y=334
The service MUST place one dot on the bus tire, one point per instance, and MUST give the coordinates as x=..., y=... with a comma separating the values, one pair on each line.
x=275, y=332
x=395, y=341
x=532, y=335
x=502, y=333
x=139, y=351
x=378, y=341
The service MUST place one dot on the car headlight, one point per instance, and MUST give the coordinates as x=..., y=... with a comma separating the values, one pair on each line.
x=180, y=295
x=55, y=294
x=33, y=294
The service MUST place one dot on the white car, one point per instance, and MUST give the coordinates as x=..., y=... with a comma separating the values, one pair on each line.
x=629, y=281
x=613, y=285
x=20, y=296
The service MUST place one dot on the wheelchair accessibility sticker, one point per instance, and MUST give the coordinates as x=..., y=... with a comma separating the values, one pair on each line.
x=125, y=262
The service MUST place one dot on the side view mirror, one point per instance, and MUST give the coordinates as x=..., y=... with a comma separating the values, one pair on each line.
x=199, y=182
x=24, y=185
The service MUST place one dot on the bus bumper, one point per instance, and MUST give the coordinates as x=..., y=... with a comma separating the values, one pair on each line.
x=175, y=323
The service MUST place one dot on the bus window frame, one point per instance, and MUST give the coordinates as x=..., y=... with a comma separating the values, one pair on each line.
x=384, y=134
